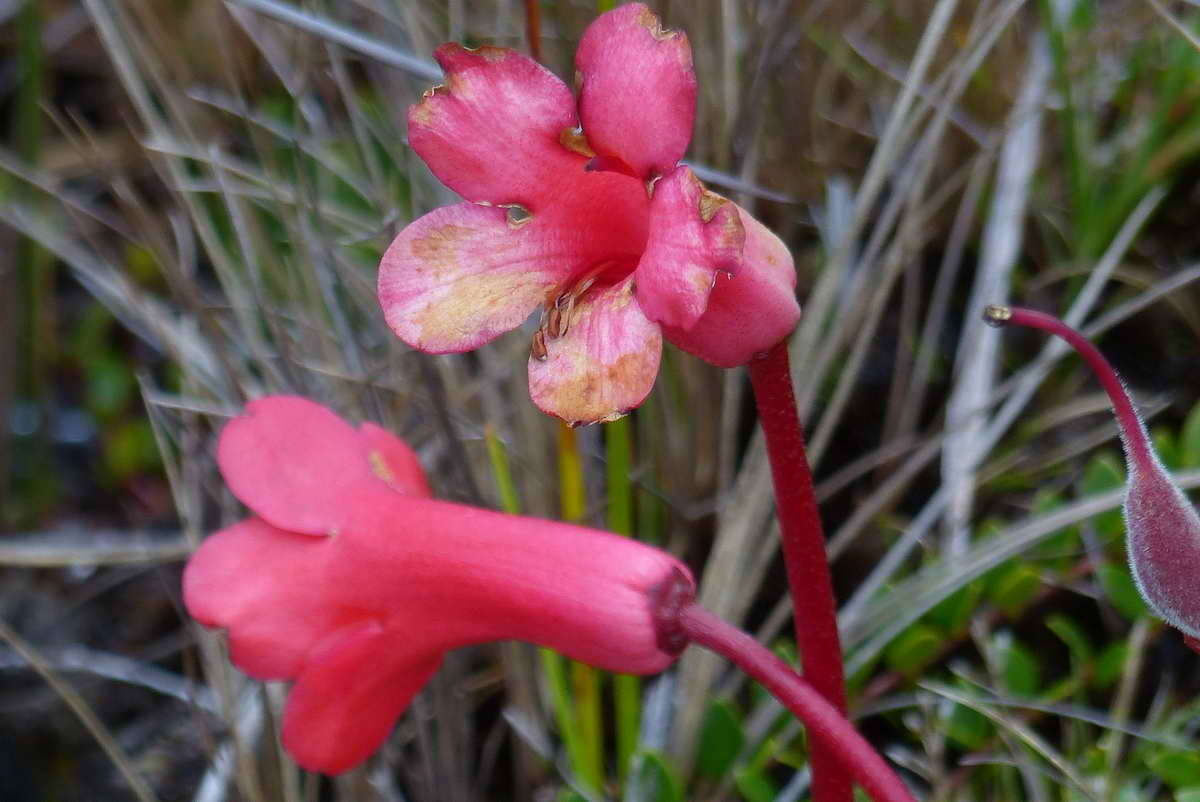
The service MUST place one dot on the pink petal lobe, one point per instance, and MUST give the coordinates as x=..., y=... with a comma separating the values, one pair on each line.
x=748, y=313
x=349, y=696
x=462, y=275
x=493, y=132
x=694, y=234
x=266, y=587
x=292, y=462
x=637, y=91
x=604, y=365
x=394, y=462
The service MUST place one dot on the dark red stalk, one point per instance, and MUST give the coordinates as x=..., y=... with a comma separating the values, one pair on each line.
x=533, y=28
x=1132, y=429
x=814, y=608
x=826, y=725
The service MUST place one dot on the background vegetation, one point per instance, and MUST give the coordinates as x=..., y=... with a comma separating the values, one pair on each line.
x=195, y=196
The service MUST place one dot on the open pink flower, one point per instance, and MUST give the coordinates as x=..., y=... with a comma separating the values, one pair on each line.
x=350, y=580
x=583, y=210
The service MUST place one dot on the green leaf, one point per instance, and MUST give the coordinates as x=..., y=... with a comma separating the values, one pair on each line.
x=109, y=385
x=655, y=778
x=1014, y=586
x=1111, y=664
x=1189, y=440
x=1019, y=668
x=754, y=785
x=1073, y=635
x=1188, y=794
x=785, y=650
x=1122, y=593
x=953, y=613
x=1064, y=543
x=1166, y=447
x=1177, y=768
x=129, y=449
x=967, y=728
x=721, y=739
x=1104, y=472
x=912, y=650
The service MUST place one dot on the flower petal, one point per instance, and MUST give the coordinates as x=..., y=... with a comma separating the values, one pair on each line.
x=462, y=275
x=637, y=91
x=292, y=462
x=694, y=234
x=453, y=575
x=244, y=579
x=748, y=313
x=394, y=462
x=349, y=696
x=604, y=365
x=494, y=131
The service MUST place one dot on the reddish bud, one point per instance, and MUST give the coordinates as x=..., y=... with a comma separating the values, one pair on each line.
x=1162, y=527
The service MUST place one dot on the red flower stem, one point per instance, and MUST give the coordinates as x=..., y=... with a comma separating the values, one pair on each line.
x=814, y=609
x=1132, y=428
x=533, y=28
x=826, y=725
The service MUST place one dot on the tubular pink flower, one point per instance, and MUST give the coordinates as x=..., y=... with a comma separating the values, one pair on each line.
x=353, y=582
x=581, y=209
x=1162, y=527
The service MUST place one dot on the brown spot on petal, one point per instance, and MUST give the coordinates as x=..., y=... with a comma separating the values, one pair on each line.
x=455, y=316
x=439, y=248
x=554, y=319
x=380, y=468
x=489, y=52
x=649, y=20
x=710, y=203
x=580, y=399
x=574, y=140
x=421, y=113
x=537, y=348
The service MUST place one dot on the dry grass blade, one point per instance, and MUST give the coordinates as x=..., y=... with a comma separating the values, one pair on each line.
x=1023, y=732
x=268, y=169
x=61, y=549
x=122, y=669
x=1017, y=392
x=977, y=361
x=145, y=316
x=867, y=633
x=332, y=31
x=882, y=163
x=82, y=709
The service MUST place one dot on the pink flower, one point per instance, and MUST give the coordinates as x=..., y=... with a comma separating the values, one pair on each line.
x=597, y=225
x=350, y=580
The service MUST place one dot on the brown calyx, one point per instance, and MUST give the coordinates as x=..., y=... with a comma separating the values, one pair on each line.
x=558, y=311
x=667, y=600
x=650, y=21
x=574, y=140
